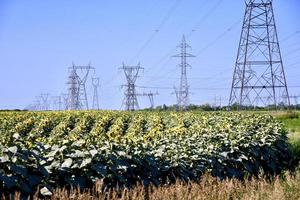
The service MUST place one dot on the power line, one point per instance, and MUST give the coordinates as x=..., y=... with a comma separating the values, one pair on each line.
x=197, y=88
x=230, y=28
x=210, y=44
x=209, y=13
x=172, y=88
x=149, y=40
x=167, y=55
x=291, y=52
x=219, y=37
x=290, y=36
x=293, y=65
x=150, y=95
x=158, y=28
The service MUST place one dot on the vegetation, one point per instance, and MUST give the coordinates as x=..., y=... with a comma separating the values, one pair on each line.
x=63, y=149
x=291, y=121
x=208, y=188
x=235, y=107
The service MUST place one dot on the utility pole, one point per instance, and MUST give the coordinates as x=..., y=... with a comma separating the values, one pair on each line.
x=259, y=70
x=182, y=94
x=77, y=97
x=96, y=85
x=130, y=100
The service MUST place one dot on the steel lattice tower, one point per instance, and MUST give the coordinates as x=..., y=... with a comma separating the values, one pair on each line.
x=151, y=98
x=44, y=101
x=96, y=85
x=77, y=98
x=130, y=100
x=57, y=103
x=182, y=94
x=259, y=70
x=73, y=96
x=150, y=95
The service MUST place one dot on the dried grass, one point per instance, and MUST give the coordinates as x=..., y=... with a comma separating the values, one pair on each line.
x=208, y=188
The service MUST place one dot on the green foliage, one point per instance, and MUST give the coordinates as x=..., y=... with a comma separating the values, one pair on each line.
x=58, y=149
x=287, y=115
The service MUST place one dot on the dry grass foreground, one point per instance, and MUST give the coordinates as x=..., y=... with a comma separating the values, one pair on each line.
x=208, y=188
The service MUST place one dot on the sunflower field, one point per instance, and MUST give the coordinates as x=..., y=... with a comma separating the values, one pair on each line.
x=47, y=150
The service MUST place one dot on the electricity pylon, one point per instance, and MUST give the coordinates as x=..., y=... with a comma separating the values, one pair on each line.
x=73, y=96
x=295, y=97
x=57, y=103
x=151, y=98
x=182, y=94
x=65, y=100
x=130, y=100
x=44, y=104
x=150, y=95
x=96, y=85
x=77, y=98
x=259, y=70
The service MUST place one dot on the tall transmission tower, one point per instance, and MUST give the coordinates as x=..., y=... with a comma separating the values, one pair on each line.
x=295, y=98
x=130, y=100
x=96, y=85
x=44, y=104
x=150, y=95
x=77, y=97
x=73, y=96
x=151, y=98
x=259, y=70
x=65, y=100
x=57, y=103
x=36, y=105
x=182, y=94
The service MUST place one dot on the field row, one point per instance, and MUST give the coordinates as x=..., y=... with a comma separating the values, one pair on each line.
x=58, y=149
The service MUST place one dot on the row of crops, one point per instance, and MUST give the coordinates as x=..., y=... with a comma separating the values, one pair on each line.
x=59, y=149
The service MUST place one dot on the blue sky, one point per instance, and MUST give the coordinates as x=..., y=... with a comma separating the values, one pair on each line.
x=39, y=40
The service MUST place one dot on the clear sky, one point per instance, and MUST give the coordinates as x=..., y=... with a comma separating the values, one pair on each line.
x=39, y=40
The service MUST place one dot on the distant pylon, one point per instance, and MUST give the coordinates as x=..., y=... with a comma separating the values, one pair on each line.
x=37, y=104
x=64, y=97
x=57, y=103
x=96, y=85
x=151, y=98
x=150, y=95
x=130, y=100
x=182, y=94
x=77, y=97
x=43, y=103
x=73, y=96
x=295, y=98
x=259, y=70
